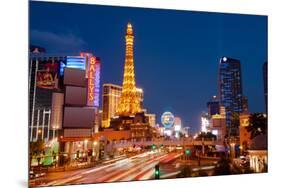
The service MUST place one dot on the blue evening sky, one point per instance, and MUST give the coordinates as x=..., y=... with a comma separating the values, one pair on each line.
x=176, y=52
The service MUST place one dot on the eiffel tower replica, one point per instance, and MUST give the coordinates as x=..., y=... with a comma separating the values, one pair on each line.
x=129, y=112
x=129, y=104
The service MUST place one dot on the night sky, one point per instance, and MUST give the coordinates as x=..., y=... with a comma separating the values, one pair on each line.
x=176, y=52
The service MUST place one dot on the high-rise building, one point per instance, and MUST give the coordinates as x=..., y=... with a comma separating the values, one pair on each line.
x=91, y=65
x=110, y=100
x=213, y=106
x=44, y=79
x=230, y=90
x=78, y=117
x=46, y=76
x=129, y=103
x=265, y=90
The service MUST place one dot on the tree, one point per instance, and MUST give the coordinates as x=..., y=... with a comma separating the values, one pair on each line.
x=257, y=125
x=235, y=122
x=35, y=149
x=206, y=136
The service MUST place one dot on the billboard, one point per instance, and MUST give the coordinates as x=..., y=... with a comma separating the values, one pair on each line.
x=47, y=75
x=167, y=119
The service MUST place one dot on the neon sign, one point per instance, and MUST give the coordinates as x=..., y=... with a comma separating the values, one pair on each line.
x=91, y=77
x=97, y=82
x=76, y=62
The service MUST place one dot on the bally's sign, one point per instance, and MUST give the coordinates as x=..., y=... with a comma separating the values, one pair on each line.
x=91, y=79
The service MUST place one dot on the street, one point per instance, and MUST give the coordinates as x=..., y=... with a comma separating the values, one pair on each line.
x=138, y=167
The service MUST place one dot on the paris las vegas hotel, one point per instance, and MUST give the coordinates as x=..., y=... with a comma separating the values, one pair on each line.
x=64, y=93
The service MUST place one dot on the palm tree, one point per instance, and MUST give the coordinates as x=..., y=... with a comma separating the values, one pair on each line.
x=257, y=125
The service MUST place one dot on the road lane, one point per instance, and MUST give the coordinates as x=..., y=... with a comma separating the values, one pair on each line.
x=139, y=167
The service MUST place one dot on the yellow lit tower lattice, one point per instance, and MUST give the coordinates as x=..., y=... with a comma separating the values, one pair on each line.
x=129, y=103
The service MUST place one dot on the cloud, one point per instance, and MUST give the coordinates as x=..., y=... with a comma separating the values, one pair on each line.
x=54, y=42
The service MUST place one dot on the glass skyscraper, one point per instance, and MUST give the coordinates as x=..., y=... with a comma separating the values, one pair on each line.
x=230, y=91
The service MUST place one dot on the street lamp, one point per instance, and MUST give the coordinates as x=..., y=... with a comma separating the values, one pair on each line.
x=85, y=145
x=95, y=143
x=232, y=150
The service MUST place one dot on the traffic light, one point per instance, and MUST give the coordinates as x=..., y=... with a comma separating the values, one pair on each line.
x=153, y=146
x=157, y=172
x=187, y=152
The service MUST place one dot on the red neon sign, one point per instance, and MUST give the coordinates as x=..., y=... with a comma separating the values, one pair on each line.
x=91, y=72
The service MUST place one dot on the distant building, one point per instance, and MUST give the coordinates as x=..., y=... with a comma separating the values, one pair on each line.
x=177, y=126
x=141, y=129
x=213, y=106
x=230, y=90
x=139, y=92
x=177, y=121
x=110, y=99
x=205, y=122
x=151, y=119
x=185, y=131
x=218, y=126
x=138, y=125
x=43, y=80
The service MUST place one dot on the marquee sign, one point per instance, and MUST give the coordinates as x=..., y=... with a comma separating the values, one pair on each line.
x=91, y=80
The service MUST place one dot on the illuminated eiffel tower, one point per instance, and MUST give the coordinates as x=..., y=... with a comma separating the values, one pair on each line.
x=129, y=103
